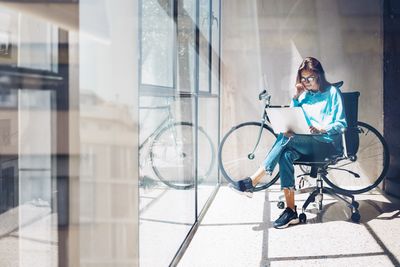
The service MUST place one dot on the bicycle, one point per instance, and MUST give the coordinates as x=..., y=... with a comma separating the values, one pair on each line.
x=170, y=152
x=244, y=147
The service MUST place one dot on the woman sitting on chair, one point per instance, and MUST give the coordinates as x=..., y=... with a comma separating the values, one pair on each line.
x=322, y=106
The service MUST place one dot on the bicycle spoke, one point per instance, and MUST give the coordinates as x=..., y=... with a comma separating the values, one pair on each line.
x=371, y=164
x=340, y=166
x=371, y=157
x=365, y=148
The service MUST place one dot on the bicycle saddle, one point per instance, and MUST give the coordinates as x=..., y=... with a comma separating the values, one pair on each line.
x=263, y=95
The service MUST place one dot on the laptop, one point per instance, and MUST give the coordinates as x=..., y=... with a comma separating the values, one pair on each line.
x=288, y=119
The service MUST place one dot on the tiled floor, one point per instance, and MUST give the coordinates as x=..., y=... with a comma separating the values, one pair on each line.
x=166, y=217
x=237, y=231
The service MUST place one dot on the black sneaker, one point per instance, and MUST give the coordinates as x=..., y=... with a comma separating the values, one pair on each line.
x=287, y=217
x=243, y=187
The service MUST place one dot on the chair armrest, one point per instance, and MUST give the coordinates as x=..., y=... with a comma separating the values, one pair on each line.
x=344, y=142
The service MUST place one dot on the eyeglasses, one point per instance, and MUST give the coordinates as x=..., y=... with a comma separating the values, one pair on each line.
x=308, y=79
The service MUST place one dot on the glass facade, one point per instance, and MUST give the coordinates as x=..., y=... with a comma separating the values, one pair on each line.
x=69, y=131
x=109, y=129
x=30, y=167
x=179, y=118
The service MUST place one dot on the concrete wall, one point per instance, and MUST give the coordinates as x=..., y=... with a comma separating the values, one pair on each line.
x=270, y=38
x=263, y=44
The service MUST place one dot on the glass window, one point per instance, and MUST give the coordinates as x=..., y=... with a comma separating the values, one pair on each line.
x=94, y=171
x=178, y=139
x=204, y=45
x=215, y=48
x=186, y=46
x=38, y=47
x=157, y=43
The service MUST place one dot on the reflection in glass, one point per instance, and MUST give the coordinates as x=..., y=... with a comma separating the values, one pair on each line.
x=68, y=131
x=204, y=45
x=208, y=125
x=178, y=134
x=167, y=168
x=157, y=43
x=38, y=44
x=37, y=220
x=186, y=45
x=215, y=47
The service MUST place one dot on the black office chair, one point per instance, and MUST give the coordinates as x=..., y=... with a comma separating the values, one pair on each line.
x=321, y=161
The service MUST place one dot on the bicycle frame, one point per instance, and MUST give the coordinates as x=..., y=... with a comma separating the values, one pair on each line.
x=266, y=98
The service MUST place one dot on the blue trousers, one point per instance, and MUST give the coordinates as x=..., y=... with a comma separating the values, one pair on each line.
x=288, y=149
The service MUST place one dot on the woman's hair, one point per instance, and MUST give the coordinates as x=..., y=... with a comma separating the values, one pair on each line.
x=312, y=64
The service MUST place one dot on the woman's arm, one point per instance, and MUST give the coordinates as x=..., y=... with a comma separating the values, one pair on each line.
x=295, y=99
x=338, y=121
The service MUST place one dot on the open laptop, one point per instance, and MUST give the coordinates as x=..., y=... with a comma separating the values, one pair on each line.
x=288, y=118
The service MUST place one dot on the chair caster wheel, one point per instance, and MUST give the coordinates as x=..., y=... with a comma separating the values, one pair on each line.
x=281, y=205
x=356, y=204
x=302, y=218
x=355, y=217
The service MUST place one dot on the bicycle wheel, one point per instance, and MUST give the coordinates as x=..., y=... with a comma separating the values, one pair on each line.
x=367, y=169
x=234, y=155
x=172, y=155
x=305, y=169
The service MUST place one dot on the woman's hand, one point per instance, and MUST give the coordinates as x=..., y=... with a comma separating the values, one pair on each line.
x=288, y=133
x=315, y=130
x=299, y=90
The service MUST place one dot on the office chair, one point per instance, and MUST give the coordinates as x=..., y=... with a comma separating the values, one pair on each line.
x=321, y=161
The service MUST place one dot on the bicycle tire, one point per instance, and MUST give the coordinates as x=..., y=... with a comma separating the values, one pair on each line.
x=184, y=182
x=230, y=143
x=371, y=173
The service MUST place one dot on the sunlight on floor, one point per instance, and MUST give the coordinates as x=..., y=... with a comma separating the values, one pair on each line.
x=237, y=231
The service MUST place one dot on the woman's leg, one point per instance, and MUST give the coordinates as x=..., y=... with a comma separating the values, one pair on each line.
x=247, y=184
x=271, y=160
x=258, y=175
x=289, y=215
x=286, y=169
x=299, y=145
x=289, y=197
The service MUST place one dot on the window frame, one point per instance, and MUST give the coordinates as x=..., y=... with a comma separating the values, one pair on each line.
x=157, y=90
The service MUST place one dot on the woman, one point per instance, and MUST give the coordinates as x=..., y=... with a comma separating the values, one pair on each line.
x=322, y=106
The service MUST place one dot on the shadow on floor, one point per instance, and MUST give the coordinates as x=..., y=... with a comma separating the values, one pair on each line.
x=369, y=210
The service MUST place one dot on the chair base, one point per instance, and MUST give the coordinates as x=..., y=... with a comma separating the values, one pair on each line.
x=316, y=195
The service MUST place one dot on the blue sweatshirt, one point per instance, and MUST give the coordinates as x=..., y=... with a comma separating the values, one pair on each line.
x=323, y=110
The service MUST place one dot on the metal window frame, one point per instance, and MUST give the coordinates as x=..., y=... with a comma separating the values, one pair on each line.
x=159, y=90
x=162, y=91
